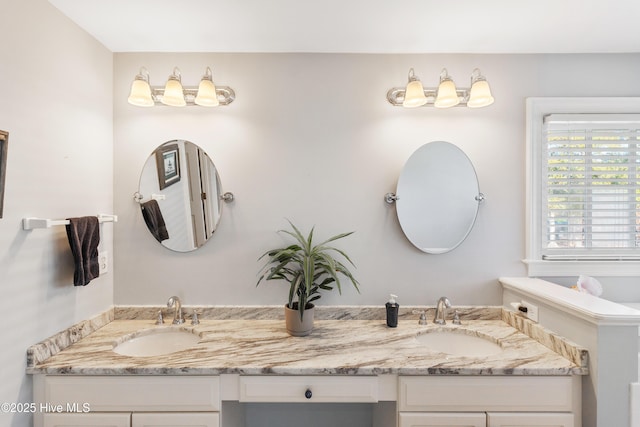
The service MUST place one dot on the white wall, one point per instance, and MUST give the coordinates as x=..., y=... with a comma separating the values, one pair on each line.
x=312, y=138
x=56, y=103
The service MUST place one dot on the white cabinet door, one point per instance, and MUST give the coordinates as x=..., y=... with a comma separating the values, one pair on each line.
x=185, y=419
x=87, y=420
x=529, y=420
x=488, y=393
x=442, y=419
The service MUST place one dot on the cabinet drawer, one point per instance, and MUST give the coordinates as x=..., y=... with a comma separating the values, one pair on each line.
x=442, y=419
x=477, y=393
x=308, y=389
x=135, y=393
x=87, y=420
x=195, y=419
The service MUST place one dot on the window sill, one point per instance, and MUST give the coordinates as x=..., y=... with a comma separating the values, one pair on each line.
x=538, y=268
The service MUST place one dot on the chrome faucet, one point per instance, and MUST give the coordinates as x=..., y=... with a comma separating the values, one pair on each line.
x=441, y=311
x=177, y=316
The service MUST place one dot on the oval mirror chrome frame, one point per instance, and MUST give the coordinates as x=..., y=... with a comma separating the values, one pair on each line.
x=437, y=197
x=180, y=196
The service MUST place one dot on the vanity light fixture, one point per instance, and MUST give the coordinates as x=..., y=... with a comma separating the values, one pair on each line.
x=173, y=93
x=414, y=93
x=207, y=94
x=446, y=95
x=140, y=93
x=480, y=93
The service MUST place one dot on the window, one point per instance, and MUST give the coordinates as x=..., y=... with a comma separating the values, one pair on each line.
x=583, y=186
x=590, y=186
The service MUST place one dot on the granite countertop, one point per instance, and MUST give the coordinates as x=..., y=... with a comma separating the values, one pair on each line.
x=259, y=346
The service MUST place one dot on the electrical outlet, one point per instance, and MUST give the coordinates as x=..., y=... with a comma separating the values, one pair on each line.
x=532, y=310
x=103, y=262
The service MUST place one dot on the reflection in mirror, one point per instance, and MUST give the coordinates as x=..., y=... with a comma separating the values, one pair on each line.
x=4, y=143
x=180, y=195
x=437, y=197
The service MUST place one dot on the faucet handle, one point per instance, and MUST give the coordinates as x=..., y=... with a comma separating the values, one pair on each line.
x=194, y=318
x=423, y=316
x=160, y=320
x=456, y=318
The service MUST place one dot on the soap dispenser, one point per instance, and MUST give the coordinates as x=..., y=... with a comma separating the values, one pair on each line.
x=392, y=311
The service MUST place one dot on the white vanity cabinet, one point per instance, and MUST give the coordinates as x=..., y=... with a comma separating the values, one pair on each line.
x=127, y=401
x=186, y=419
x=128, y=419
x=491, y=401
x=396, y=401
x=481, y=419
x=442, y=419
x=530, y=420
x=86, y=420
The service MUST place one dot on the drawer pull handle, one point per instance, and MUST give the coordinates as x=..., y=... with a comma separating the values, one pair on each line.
x=308, y=394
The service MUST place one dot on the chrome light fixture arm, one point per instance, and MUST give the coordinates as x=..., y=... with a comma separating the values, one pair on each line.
x=395, y=96
x=226, y=95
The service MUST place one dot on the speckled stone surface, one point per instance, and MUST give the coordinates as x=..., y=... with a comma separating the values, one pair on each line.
x=58, y=342
x=355, y=347
x=551, y=340
x=349, y=312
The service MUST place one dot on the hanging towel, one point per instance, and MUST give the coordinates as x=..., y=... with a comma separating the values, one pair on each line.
x=84, y=235
x=153, y=217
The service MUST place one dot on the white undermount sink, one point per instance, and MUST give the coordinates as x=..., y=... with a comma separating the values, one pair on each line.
x=156, y=342
x=458, y=343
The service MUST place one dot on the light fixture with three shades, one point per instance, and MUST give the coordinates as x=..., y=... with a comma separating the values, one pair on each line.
x=445, y=95
x=207, y=94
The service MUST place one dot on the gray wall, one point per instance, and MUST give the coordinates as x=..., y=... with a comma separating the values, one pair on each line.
x=56, y=102
x=312, y=138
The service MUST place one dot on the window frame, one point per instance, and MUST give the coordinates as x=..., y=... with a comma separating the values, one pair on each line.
x=536, y=109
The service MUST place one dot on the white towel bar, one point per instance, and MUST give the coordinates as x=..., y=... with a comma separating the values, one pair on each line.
x=139, y=197
x=31, y=223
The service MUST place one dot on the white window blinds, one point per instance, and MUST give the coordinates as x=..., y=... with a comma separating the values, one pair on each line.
x=591, y=189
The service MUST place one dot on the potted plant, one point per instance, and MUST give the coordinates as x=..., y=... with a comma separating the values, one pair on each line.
x=309, y=269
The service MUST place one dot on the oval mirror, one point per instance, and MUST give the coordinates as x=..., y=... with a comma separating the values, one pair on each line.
x=437, y=197
x=180, y=195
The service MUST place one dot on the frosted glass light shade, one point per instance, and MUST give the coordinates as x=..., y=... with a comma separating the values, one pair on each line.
x=140, y=94
x=480, y=95
x=414, y=95
x=173, y=94
x=207, y=96
x=447, y=96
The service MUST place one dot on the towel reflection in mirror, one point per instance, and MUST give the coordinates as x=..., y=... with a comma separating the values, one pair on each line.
x=154, y=220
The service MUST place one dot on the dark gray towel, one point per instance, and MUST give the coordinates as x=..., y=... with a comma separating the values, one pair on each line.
x=84, y=236
x=155, y=222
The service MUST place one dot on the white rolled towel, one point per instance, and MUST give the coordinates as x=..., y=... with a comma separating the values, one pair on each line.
x=589, y=285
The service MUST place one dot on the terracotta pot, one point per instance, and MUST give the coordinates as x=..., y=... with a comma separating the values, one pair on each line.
x=295, y=326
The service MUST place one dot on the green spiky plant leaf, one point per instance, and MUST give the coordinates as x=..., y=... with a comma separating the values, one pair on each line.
x=308, y=268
